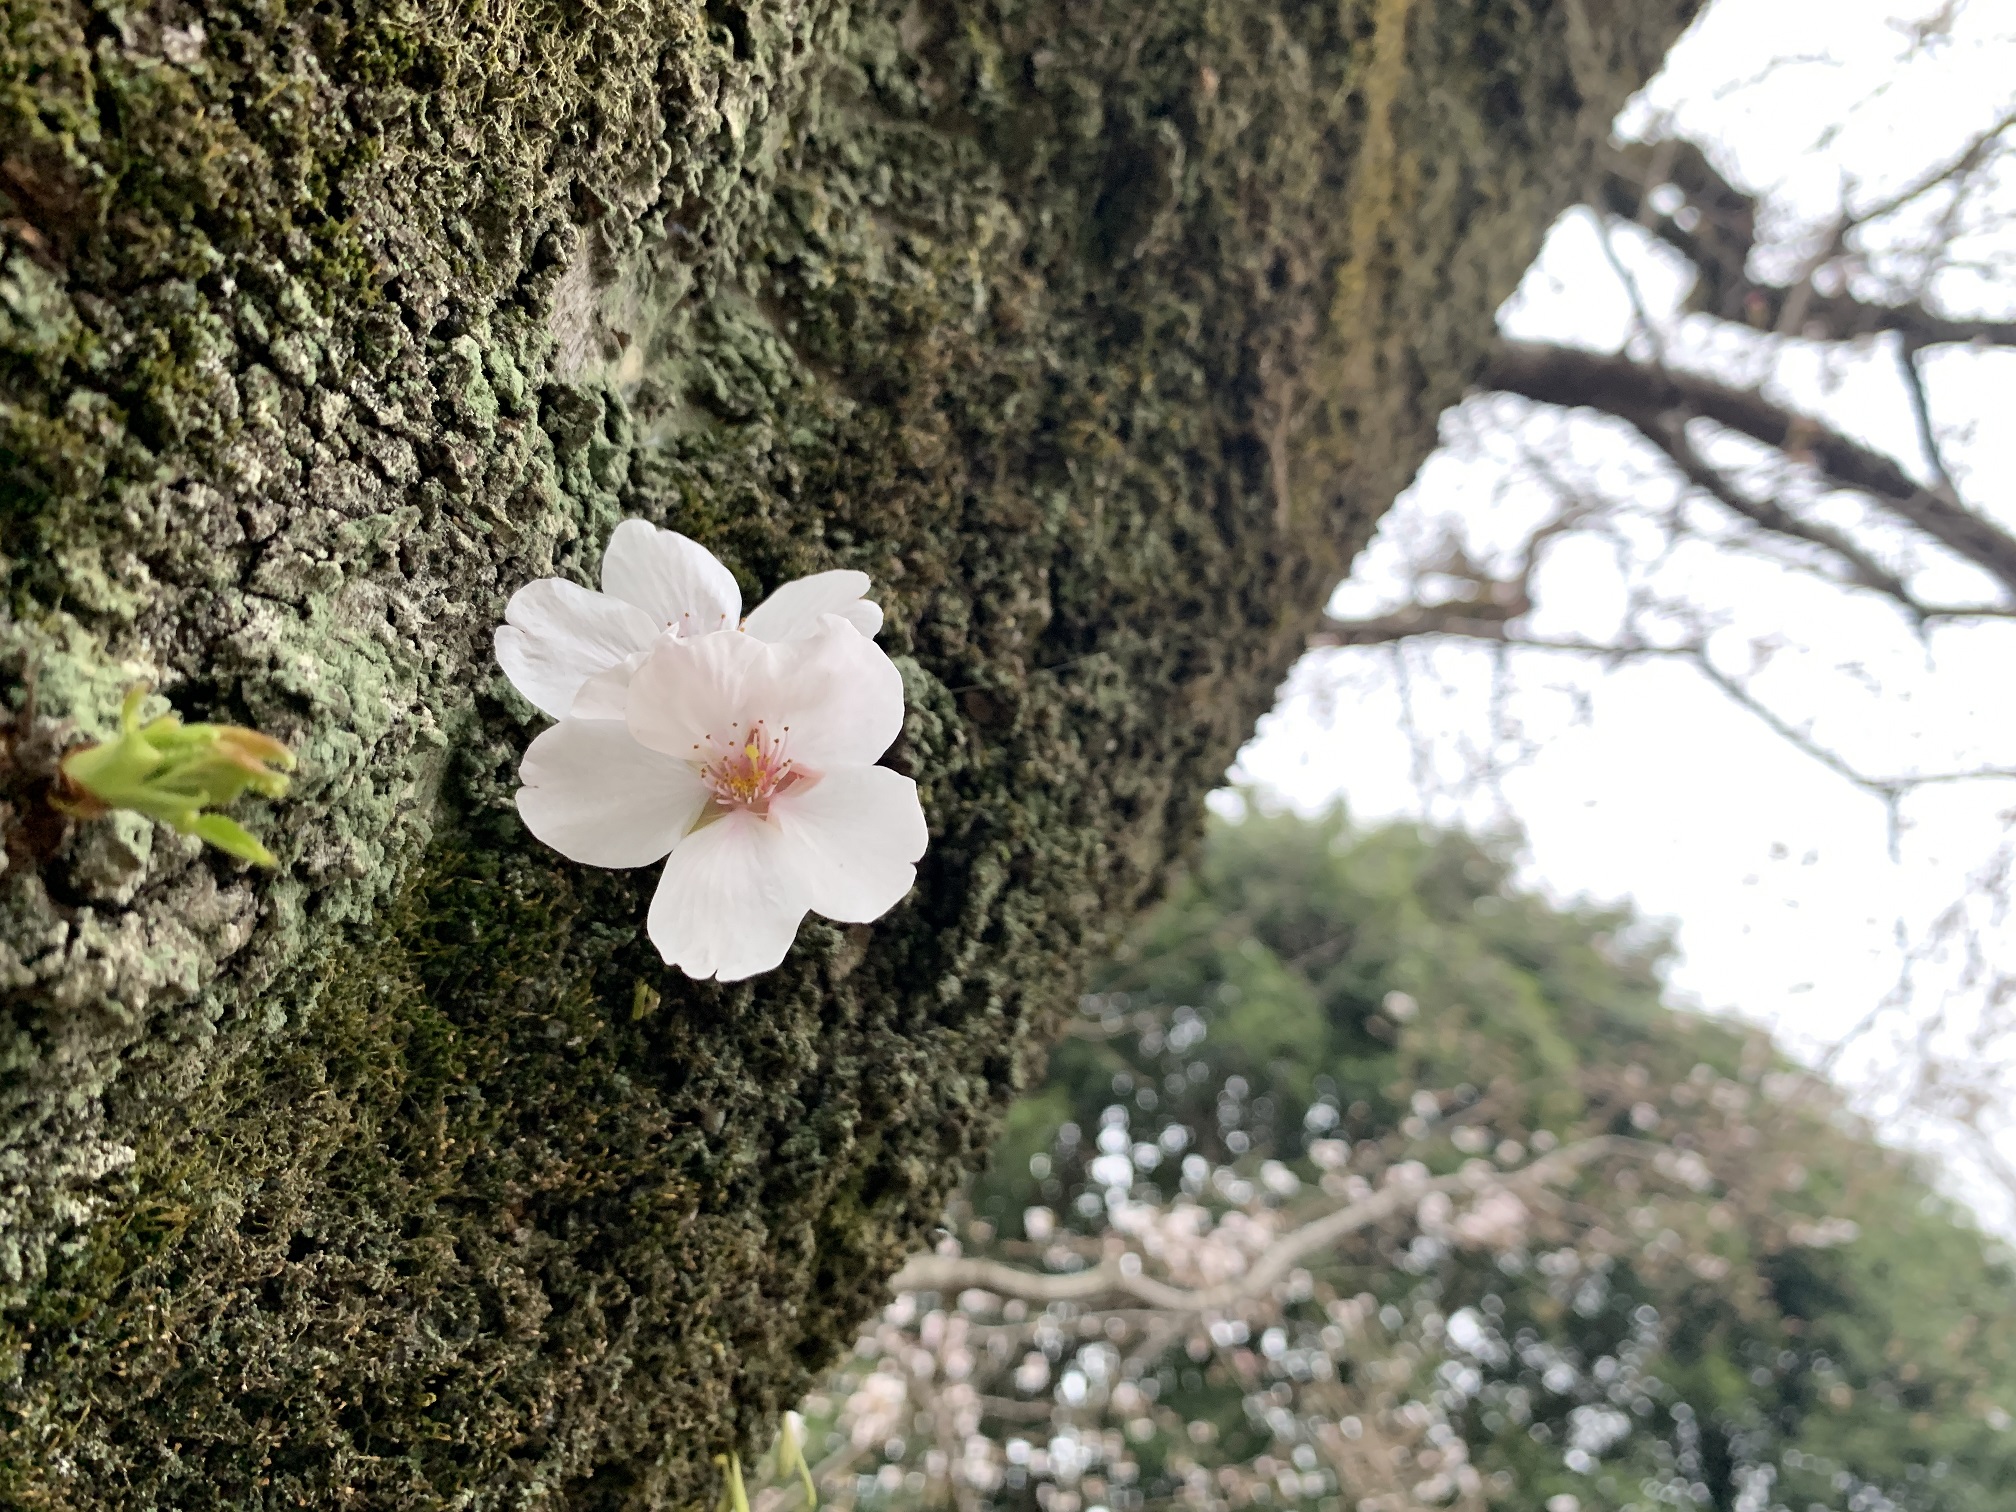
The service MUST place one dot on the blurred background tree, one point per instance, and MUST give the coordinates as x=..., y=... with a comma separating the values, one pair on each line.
x=1368, y=1180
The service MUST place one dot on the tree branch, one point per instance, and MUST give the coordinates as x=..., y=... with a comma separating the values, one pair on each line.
x=1913, y=377
x=1650, y=398
x=1111, y=1277
x=1715, y=230
x=1670, y=436
x=1469, y=618
x=1421, y=621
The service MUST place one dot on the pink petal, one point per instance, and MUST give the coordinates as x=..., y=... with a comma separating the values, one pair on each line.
x=729, y=904
x=794, y=609
x=692, y=696
x=598, y=797
x=840, y=695
x=558, y=634
x=834, y=697
x=678, y=582
x=853, y=837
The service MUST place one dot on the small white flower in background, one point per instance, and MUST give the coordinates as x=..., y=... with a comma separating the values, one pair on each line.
x=743, y=756
x=557, y=635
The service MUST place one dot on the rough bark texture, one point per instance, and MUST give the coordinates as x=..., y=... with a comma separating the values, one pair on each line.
x=1097, y=331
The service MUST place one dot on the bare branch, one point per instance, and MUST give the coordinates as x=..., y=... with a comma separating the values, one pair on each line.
x=1670, y=436
x=1962, y=163
x=1650, y=398
x=1715, y=229
x=1421, y=621
x=1921, y=416
x=1468, y=618
x=1891, y=790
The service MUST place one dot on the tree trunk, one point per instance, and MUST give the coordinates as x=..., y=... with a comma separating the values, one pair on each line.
x=1098, y=332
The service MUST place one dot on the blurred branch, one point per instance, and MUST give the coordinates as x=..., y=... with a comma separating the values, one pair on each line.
x=1714, y=227
x=1670, y=436
x=1112, y=1277
x=1418, y=620
x=1891, y=790
x=1654, y=400
x=1921, y=416
x=1480, y=618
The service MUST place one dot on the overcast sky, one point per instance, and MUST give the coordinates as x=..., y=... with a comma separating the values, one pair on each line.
x=1779, y=875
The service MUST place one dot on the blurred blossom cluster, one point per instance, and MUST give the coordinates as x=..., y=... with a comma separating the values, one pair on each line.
x=1278, y=1232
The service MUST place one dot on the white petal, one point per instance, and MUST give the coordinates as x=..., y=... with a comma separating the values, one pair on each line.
x=794, y=609
x=865, y=615
x=558, y=634
x=834, y=697
x=678, y=582
x=598, y=797
x=695, y=694
x=840, y=695
x=853, y=837
x=607, y=694
x=729, y=905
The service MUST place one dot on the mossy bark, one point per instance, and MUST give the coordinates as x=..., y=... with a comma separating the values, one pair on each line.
x=1098, y=332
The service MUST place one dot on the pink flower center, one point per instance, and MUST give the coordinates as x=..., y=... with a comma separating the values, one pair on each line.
x=748, y=774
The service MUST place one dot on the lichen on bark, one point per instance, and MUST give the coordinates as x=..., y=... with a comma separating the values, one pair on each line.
x=1097, y=333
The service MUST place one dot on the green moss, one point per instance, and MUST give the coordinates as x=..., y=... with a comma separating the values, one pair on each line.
x=411, y=1171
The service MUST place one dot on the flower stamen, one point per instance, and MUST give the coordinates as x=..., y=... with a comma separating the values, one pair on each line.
x=748, y=774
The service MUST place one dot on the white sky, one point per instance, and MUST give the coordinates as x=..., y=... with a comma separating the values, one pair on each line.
x=1778, y=874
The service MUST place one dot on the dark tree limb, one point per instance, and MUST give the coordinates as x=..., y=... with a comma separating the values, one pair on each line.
x=1654, y=399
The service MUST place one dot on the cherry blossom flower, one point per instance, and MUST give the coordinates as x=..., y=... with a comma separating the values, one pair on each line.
x=748, y=764
x=558, y=635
